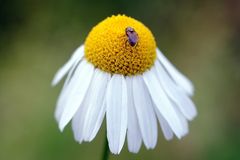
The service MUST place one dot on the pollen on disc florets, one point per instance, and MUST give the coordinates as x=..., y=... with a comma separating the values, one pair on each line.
x=108, y=49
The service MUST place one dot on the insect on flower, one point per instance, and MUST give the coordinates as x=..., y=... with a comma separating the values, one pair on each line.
x=132, y=36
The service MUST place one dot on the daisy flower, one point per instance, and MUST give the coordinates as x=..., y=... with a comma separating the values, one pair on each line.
x=119, y=72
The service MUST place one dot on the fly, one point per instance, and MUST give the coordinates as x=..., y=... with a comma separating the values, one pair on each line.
x=132, y=36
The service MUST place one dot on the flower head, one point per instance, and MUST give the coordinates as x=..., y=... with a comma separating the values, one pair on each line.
x=108, y=49
x=119, y=72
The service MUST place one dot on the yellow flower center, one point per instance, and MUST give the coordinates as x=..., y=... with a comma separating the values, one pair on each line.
x=121, y=45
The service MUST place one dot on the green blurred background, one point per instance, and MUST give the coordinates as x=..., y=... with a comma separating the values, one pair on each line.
x=202, y=38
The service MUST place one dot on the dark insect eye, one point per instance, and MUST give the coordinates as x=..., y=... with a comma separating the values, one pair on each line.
x=132, y=36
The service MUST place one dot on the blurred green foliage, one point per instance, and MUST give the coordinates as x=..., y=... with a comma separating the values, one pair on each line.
x=201, y=38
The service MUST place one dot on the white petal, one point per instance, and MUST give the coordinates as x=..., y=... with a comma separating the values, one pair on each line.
x=77, y=55
x=183, y=120
x=96, y=107
x=178, y=77
x=88, y=119
x=73, y=78
x=76, y=91
x=145, y=113
x=78, y=122
x=162, y=102
x=167, y=131
x=63, y=93
x=116, y=99
x=184, y=103
x=133, y=132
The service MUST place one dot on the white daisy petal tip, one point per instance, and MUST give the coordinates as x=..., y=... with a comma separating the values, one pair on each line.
x=61, y=127
x=54, y=82
x=194, y=114
x=168, y=138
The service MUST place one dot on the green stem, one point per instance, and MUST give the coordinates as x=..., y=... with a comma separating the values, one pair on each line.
x=106, y=150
